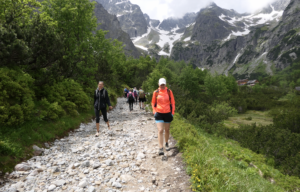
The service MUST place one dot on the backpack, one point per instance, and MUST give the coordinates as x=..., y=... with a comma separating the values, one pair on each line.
x=103, y=93
x=130, y=97
x=135, y=93
x=142, y=94
x=156, y=95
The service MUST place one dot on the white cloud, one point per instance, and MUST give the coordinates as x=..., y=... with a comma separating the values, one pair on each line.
x=162, y=9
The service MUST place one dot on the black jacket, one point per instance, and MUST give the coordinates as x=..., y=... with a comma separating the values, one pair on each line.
x=101, y=99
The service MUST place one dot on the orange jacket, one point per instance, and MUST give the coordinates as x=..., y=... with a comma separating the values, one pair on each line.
x=163, y=102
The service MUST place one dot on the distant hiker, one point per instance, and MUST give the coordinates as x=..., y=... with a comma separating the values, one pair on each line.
x=163, y=105
x=142, y=98
x=130, y=99
x=135, y=93
x=125, y=92
x=101, y=99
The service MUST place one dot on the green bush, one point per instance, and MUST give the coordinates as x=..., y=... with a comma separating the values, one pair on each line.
x=55, y=111
x=68, y=90
x=70, y=108
x=277, y=143
x=248, y=118
x=215, y=86
x=50, y=110
x=288, y=119
x=221, y=111
x=16, y=99
x=239, y=103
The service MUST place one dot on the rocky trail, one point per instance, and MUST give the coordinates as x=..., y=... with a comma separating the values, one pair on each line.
x=127, y=160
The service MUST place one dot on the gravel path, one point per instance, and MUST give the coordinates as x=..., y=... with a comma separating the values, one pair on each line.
x=124, y=161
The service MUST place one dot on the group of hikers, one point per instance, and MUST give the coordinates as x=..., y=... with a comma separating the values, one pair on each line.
x=133, y=95
x=163, y=106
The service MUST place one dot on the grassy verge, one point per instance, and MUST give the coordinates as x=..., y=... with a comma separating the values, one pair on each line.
x=248, y=118
x=16, y=143
x=219, y=164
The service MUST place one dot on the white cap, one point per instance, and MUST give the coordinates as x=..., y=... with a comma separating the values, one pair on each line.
x=162, y=81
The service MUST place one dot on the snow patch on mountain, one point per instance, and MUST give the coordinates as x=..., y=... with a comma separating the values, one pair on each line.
x=122, y=2
x=141, y=47
x=187, y=39
x=250, y=20
x=165, y=38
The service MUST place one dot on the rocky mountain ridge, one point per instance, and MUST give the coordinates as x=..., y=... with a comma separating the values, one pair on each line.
x=247, y=45
x=209, y=24
x=111, y=24
x=221, y=40
x=172, y=23
x=130, y=16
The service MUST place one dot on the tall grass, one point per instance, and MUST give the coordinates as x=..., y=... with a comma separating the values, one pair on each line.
x=220, y=164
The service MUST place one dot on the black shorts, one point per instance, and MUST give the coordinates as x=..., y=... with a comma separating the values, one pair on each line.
x=163, y=117
x=142, y=99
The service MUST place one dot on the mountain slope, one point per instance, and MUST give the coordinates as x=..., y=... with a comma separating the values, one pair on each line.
x=203, y=28
x=284, y=41
x=226, y=42
x=151, y=22
x=209, y=26
x=111, y=24
x=131, y=17
x=161, y=37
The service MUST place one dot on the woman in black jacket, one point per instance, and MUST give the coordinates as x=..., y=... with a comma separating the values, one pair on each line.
x=101, y=99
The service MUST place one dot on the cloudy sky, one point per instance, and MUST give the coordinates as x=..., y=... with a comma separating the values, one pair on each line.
x=162, y=9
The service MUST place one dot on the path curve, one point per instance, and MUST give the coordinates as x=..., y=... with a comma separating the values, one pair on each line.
x=125, y=161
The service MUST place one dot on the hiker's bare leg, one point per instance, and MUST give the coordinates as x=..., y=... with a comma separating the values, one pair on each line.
x=167, y=132
x=97, y=126
x=108, y=124
x=160, y=128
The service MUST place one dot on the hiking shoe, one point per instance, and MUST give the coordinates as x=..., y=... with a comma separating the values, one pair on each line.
x=97, y=134
x=161, y=151
x=167, y=147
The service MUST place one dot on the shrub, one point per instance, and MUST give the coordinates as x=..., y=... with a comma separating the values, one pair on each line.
x=279, y=144
x=55, y=111
x=215, y=86
x=248, y=118
x=219, y=112
x=239, y=104
x=16, y=99
x=50, y=110
x=288, y=119
x=68, y=90
x=70, y=108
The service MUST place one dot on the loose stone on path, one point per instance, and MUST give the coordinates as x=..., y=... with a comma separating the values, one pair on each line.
x=127, y=160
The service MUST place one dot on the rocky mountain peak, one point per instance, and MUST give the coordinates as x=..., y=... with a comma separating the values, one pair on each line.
x=244, y=45
x=111, y=24
x=151, y=22
x=131, y=17
x=177, y=23
x=278, y=5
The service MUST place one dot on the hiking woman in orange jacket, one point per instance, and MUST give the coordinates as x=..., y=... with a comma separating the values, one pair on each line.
x=163, y=105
